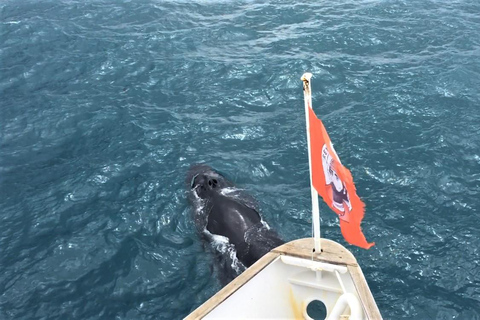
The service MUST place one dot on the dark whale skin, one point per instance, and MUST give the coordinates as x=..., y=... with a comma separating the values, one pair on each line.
x=223, y=210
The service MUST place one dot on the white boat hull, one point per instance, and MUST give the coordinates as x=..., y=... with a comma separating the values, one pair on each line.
x=283, y=283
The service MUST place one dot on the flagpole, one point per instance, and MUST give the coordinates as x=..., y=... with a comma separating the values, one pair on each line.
x=307, y=95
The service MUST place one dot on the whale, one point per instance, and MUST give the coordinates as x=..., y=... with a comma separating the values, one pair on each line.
x=223, y=211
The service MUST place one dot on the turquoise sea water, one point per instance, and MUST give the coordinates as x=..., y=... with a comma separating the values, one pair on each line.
x=105, y=104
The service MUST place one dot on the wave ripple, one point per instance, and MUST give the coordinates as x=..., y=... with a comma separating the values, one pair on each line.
x=105, y=104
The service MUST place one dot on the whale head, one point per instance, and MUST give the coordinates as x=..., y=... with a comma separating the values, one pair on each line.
x=203, y=181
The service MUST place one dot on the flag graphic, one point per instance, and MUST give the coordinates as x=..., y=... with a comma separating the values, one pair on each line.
x=334, y=183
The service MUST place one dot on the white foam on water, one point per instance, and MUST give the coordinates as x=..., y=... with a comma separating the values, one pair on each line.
x=228, y=191
x=222, y=244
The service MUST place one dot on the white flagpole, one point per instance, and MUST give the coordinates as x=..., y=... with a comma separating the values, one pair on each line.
x=307, y=95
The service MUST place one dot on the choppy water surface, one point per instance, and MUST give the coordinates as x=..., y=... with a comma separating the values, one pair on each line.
x=105, y=104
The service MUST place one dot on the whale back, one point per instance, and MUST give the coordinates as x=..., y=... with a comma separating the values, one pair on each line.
x=222, y=210
x=230, y=218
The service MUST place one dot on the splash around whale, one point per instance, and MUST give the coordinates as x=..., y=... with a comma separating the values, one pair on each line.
x=228, y=218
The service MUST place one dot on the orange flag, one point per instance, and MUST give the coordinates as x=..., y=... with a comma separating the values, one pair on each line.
x=334, y=183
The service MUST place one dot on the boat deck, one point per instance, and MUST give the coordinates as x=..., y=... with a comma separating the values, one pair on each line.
x=332, y=253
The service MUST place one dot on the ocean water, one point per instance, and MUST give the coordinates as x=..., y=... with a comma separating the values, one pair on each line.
x=105, y=104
